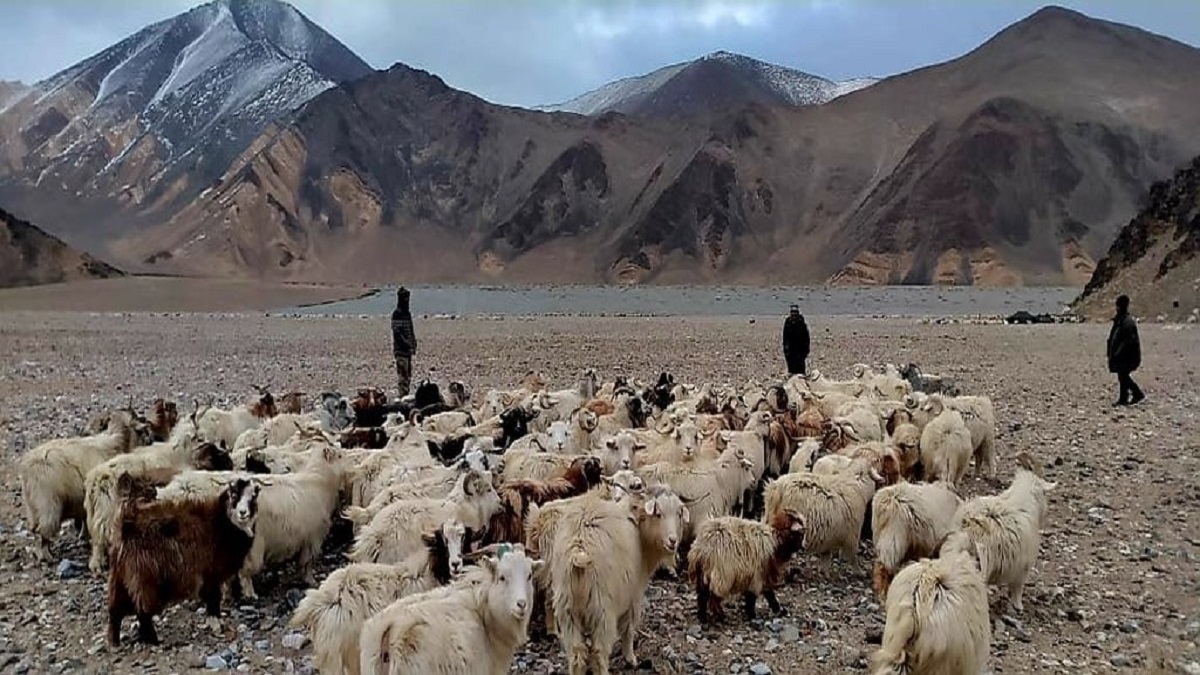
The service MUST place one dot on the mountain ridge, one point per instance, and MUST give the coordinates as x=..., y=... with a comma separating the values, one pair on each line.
x=1015, y=163
x=720, y=77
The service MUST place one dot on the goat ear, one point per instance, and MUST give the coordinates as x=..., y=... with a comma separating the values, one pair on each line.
x=537, y=565
x=431, y=538
x=639, y=446
x=611, y=443
x=488, y=563
x=685, y=516
x=650, y=506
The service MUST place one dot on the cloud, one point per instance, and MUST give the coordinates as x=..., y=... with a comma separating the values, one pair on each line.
x=609, y=22
x=526, y=52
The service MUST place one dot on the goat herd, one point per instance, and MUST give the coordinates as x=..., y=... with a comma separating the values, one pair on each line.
x=467, y=520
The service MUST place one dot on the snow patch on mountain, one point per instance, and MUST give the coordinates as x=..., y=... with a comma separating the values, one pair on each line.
x=614, y=94
x=850, y=86
x=202, y=84
x=793, y=87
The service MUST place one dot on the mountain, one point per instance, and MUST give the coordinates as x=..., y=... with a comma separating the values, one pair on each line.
x=1016, y=163
x=718, y=80
x=155, y=118
x=1156, y=258
x=29, y=256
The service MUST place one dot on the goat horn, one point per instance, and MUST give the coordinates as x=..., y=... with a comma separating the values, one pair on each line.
x=490, y=549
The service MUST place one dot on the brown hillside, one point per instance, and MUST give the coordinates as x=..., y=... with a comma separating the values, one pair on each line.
x=1156, y=258
x=29, y=256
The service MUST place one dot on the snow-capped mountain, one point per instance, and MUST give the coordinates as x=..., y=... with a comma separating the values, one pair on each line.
x=715, y=80
x=165, y=110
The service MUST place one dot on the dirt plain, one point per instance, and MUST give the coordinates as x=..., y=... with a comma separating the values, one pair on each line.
x=1116, y=587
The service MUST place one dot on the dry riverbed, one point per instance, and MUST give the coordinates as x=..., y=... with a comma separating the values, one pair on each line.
x=1117, y=586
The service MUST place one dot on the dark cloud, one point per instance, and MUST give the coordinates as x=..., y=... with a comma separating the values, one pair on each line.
x=525, y=52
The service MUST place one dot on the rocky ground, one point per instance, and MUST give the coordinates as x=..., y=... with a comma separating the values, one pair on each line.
x=1117, y=586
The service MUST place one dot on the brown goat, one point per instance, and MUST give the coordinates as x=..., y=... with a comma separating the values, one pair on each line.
x=600, y=407
x=780, y=446
x=264, y=406
x=583, y=474
x=371, y=438
x=899, y=416
x=370, y=407
x=291, y=403
x=165, y=553
x=508, y=523
x=533, y=382
x=163, y=418
x=735, y=557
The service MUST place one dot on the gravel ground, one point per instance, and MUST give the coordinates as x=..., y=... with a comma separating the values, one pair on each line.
x=1117, y=586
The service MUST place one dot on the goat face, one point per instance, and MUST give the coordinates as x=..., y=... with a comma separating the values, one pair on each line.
x=638, y=411
x=588, y=420
x=593, y=470
x=242, y=504
x=558, y=435
x=663, y=511
x=264, y=407
x=777, y=398
x=514, y=423
x=511, y=593
x=460, y=396
x=688, y=437
x=619, y=451
x=209, y=457
x=450, y=541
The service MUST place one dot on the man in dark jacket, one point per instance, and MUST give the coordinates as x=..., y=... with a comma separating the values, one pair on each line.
x=1125, y=353
x=404, y=341
x=795, y=342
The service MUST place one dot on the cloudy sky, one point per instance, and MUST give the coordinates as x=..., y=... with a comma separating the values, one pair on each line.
x=525, y=52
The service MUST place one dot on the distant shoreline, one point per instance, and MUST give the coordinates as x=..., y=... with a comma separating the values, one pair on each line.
x=173, y=294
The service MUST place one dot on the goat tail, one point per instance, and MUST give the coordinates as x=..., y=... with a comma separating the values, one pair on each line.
x=310, y=608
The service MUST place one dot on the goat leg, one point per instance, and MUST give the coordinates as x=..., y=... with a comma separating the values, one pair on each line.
x=748, y=601
x=120, y=605
x=703, y=598
x=146, y=632
x=773, y=602
x=210, y=595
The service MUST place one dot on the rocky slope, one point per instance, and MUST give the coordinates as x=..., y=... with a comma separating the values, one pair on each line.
x=714, y=82
x=1014, y=164
x=1156, y=258
x=155, y=118
x=29, y=256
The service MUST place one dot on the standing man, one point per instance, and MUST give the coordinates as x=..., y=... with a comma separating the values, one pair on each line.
x=404, y=341
x=1125, y=353
x=795, y=342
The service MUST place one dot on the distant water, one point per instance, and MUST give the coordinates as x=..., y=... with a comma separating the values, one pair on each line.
x=910, y=301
